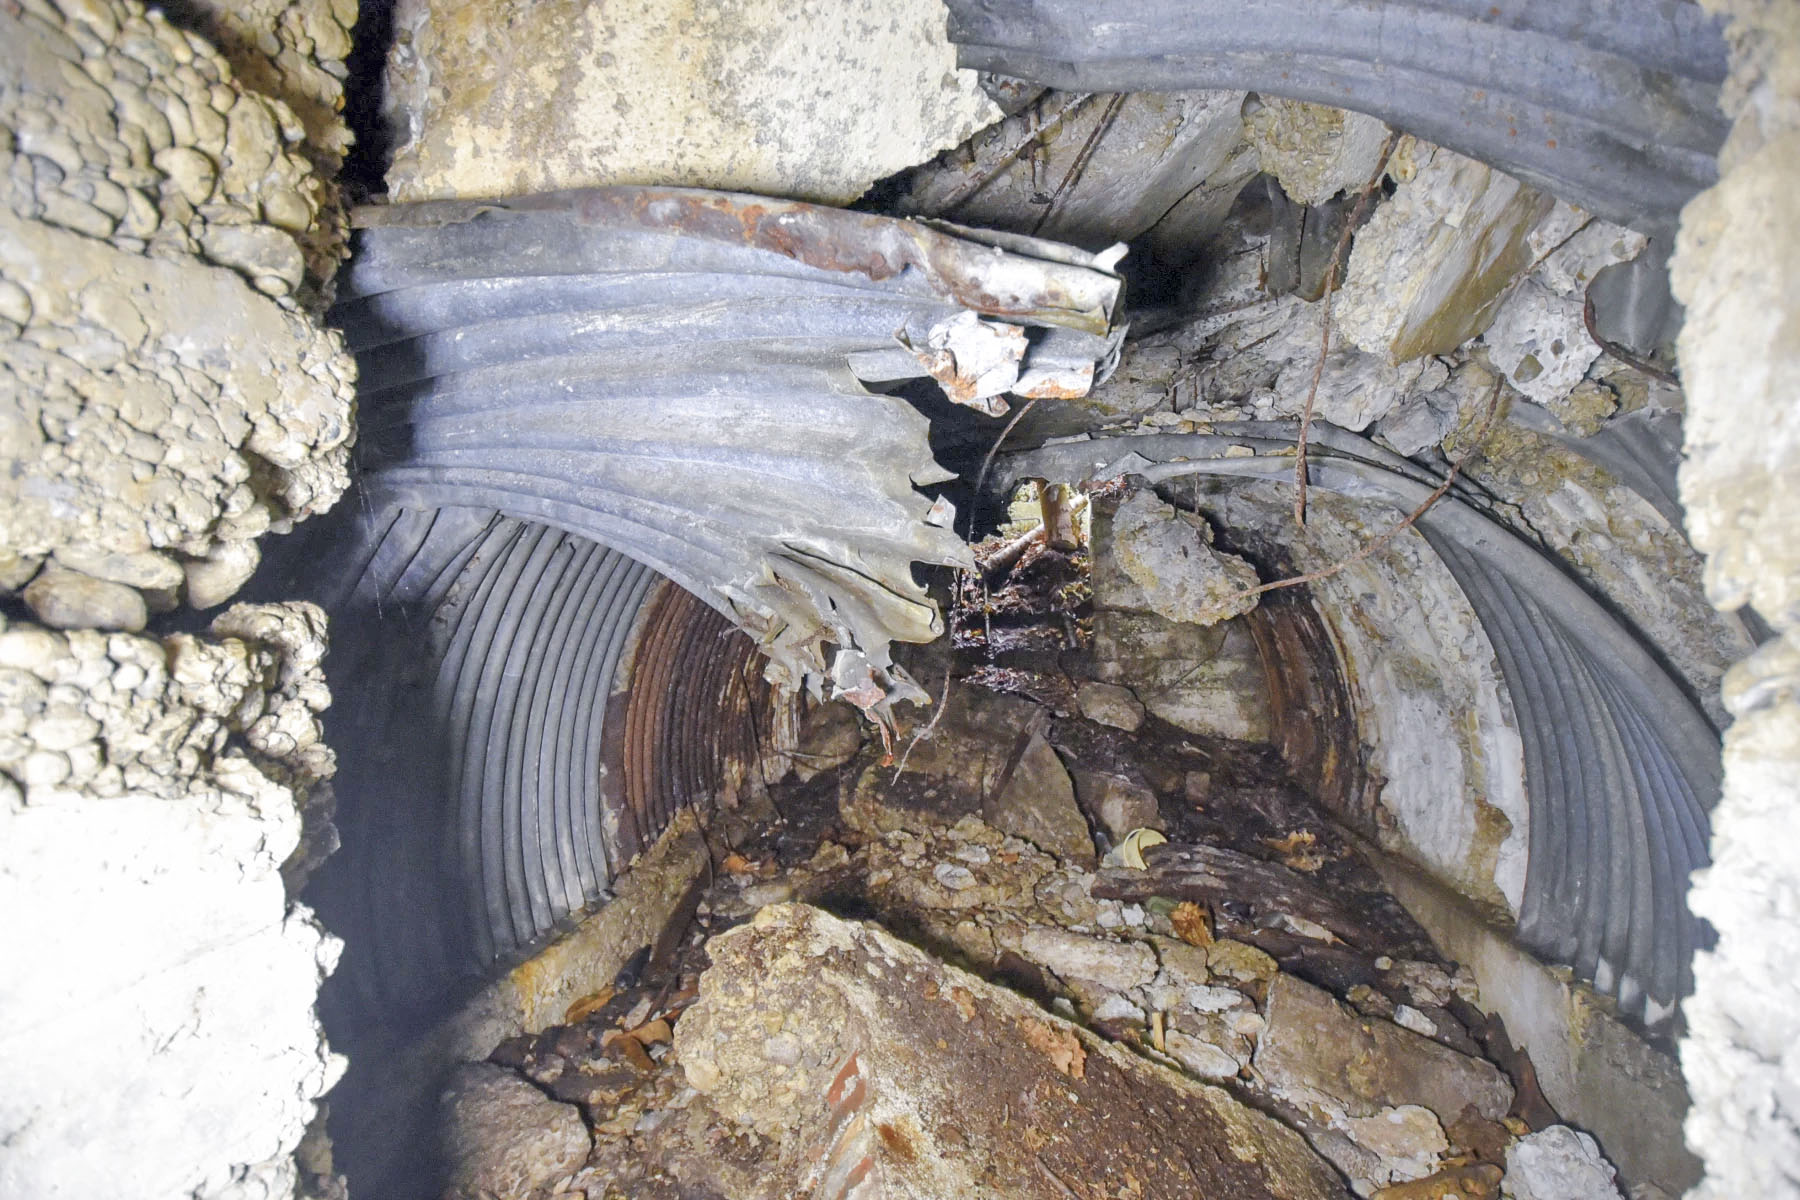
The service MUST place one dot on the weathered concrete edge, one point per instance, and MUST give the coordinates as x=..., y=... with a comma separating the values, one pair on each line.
x=1594, y=1070
x=535, y=994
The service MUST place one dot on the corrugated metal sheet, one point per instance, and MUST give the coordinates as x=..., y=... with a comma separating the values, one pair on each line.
x=1610, y=104
x=565, y=399
x=674, y=373
x=1621, y=765
x=518, y=711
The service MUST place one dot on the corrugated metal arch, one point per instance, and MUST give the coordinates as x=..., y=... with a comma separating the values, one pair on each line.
x=1609, y=104
x=570, y=405
x=1621, y=765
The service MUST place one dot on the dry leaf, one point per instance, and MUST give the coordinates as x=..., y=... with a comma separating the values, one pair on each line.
x=654, y=1032
x=1298, y=840
x=627, y=1047
x=737, y=864
x=1296, y=850
x=1060, y=1046
x=1466, y=1183
x=587, y=1006
x=1192, y=924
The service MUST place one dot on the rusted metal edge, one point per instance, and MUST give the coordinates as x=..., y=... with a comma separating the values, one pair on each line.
x=1019, y=279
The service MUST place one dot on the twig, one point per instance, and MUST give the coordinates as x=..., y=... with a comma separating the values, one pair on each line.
x=988, y=462
x=1003, y=559
x=1331, y=274
x=1053, y=1177
x=987, y=620
x=930, y=727
x=1079, y=166
x=1619, y=352
x=1371, y=547
x=972, y=187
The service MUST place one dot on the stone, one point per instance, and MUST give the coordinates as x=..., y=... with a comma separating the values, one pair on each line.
x=216, y=578
x=1586, y=408
x=255, y=251
x=191, y=173
x=1408, y=1140
x=143, y=569
x=1201, y=1057
x=1116, y=966
x=1109, y=704
x=503, y=1139
x=937, y=1083
x=1430, y=268
x=65, y=599
x=1038, y=805
x=1314, y=151
x=1118, y=804
x=1317, y=1051
x=1236, y=960
x=740, y=96
x=1170, y=557
x=1558, y=1163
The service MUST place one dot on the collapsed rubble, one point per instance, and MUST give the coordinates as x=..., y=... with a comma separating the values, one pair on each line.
x=1252, y=965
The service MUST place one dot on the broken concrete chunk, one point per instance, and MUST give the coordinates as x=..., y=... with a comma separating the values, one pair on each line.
x=657, y=91
x=1204, y=679
x=1318, y=1054
x=1170, y=556
x=503, y=1139
x=1558, y=1163
x=1314, y=151
x=1541, y=342
x=1429, y=269
x=936, y=1083
x=1109, y=704
x=1116, y=966
x=1038, y=805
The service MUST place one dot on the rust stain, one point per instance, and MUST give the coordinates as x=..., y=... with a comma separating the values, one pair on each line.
x=878, y=248
x=695, y=718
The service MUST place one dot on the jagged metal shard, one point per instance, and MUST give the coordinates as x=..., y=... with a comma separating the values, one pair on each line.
x=674, y=373
x=1621, y=766
x=1610, y=106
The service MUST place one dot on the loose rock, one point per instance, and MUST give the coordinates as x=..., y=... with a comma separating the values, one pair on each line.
x=503, y=1139
x=65, y=599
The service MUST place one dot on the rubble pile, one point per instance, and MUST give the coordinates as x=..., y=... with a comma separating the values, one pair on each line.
x=1216, y=948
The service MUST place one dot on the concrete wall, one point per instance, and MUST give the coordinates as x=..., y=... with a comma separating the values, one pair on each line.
x=1737, y=268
